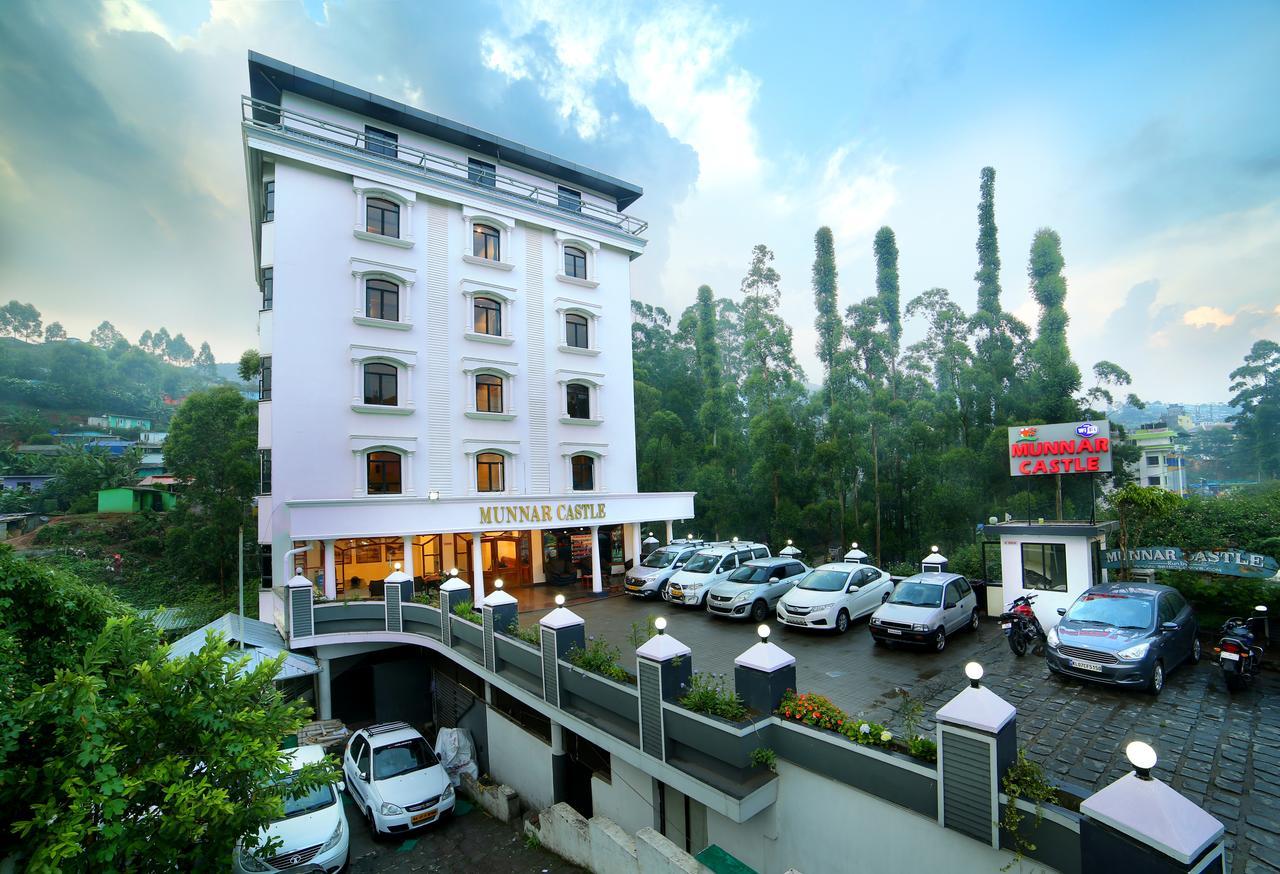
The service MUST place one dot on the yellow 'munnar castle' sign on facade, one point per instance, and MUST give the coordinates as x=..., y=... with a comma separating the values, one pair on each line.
x=536, y=513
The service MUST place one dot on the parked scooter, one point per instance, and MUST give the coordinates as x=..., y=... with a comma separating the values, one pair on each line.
x=1021, y=626
x=1239, y=654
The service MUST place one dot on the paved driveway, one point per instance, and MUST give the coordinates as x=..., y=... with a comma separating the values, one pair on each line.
x=1222, y=751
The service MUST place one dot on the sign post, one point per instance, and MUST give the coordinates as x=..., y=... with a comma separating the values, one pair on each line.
x=1066, y=447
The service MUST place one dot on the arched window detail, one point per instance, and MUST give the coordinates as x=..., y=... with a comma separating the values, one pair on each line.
x=491, y=469
x=381, y=382
x=577, y=400
x=584, y=473
x=383, y=473
x=575, y=262
x=382, y=217
x=486, y=242
x=381, y=300
x=488, y=393
x=487, y=316
x=577, y=331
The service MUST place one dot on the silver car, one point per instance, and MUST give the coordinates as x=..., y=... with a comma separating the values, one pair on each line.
x=926, y=609
x=649, y=578
x=754, y=589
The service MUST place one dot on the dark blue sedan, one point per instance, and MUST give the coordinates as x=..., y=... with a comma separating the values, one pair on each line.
x=1124, y=634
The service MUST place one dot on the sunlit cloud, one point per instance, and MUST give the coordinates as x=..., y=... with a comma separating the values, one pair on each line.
x=1208, y=317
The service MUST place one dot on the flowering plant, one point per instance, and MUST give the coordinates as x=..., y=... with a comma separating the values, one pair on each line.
x=813, y=710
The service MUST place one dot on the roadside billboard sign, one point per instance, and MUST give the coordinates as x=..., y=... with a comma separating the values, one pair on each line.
x=1064, y=447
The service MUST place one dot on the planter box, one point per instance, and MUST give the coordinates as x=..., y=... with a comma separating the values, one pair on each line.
x=467, y=632
x=608, y=705
x=420, y=619
x=515, y=653
x=347, y=616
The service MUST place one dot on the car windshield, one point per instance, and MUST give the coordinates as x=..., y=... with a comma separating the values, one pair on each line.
x=1120, y=611
x=402, y=758
x=824, y=581
x=702, y=563
x=659, y=558
x=917, y=595
x=307, y=802
x=752, y=574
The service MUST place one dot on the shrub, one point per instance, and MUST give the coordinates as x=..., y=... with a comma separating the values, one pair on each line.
x=764, y=757
x=465, y=610
x=710, y=694
x=599, y=658
x=430, y=597
x=921, y=747
x=528, y=633
x=1024, y=779
x=818, y=711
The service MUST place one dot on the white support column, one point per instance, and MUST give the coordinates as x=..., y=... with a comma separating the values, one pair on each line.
x=670, y=533
x=408, y=554
x=597, y=580
x=324, y=692
x=330, y=572
x=634, y=540
x=477, y=566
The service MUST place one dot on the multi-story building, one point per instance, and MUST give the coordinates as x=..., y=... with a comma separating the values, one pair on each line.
x=445, y=332
x=1160, y=462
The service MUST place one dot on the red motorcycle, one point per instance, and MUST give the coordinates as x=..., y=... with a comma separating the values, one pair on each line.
x=1022, y=628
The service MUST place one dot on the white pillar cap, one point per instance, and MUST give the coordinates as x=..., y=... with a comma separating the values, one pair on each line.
x=561, y=617
x=398, y=577
x=298, y=581
x=764, y=656
x=498, y=598
x=978, y=708
x=662, y=647
x=1154, y=813
x=455, y=584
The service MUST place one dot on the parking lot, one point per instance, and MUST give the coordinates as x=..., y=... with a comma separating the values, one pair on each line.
x=1221, y=750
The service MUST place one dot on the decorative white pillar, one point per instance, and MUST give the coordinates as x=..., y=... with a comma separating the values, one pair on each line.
x=408, y=555
x=477, y=566
x=330, y=573
x=597, y=579
x=324, y=690
x=670, y=533
x=634, y=539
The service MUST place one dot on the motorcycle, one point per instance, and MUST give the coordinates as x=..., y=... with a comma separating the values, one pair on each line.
x=1022, y=627
x=1239, y=657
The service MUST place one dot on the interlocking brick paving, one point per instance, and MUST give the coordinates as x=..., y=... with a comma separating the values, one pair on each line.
x=1221, y=750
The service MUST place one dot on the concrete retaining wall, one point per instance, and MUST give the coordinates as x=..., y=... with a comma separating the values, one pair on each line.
x=520, y=760
x=627, y=799
x=603, y=847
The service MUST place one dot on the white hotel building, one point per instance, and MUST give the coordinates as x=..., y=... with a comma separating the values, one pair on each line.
x=446, y=340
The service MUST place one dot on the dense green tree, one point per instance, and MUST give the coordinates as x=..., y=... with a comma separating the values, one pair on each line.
x=105, y=336
x=828, y=307
x=21, y=320
x=82, y=472
x=204, y=361
x=54, y=332
x=1055, y=378
x=1256, y=384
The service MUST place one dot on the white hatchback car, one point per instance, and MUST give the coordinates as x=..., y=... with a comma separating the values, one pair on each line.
x=313, y=832
x=833, y=595
x=925, y=610
x=395, y=779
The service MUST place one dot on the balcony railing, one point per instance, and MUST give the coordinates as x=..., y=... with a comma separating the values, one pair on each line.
x=273, y=117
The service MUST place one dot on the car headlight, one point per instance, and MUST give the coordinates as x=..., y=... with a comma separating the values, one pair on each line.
x=691, y=587
x=1051, y=637
x=740, y=597
x=447, y=794
x=919, y=626
x=334, y=838
x=389, y=809
x=1135, y=652
x=250, y=862
x=875, y=621
x=818, y=608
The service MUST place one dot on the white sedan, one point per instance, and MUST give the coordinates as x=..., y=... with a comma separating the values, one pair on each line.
x=833, y=595
x=313, y=831
x=395, y=779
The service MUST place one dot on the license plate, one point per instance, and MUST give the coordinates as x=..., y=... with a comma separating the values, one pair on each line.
x=1006, y=625
x=893, y=631
x=423, y=817
x=1086, y=666
x=793, y=620
x=1231, y=656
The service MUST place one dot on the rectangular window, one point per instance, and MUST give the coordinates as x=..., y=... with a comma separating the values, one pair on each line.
x=482, y=173
x=380, y=142
x=264, y=557
x=569, y=199
x=264, y=379
x=1044, y=566
x=1153, y=460
x=268, y=286
x=1153, y=480
x=264, y=471
x=269, y=200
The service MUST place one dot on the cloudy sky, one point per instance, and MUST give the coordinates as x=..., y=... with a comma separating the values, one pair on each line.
x=1147, y=136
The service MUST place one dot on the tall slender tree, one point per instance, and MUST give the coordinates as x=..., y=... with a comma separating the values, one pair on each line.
x=827, y=305
x=994, y=359
x=1055, y=378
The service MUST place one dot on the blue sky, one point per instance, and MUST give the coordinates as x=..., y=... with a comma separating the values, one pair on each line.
x=1145, y=134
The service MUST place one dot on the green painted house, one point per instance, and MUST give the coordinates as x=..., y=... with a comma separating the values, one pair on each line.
x=135, y=499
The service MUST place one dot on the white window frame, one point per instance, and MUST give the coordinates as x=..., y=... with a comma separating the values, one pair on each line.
x=506, y=298
x=404, y=277
x=364, y=189
x=472, y=216
x=592, y=311
x=597, y=451
x=403, y=360
x=592, y=251
x=509, y=449
x=362, y=444
x=594, y=382
x=508, y=370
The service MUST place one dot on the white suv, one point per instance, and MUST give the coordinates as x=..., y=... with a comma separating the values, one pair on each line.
x=649, y=578
x=709, y=567
x=395, y=779
x=313, y=831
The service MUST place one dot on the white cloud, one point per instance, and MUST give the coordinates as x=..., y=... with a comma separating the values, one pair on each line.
x=1208, y=317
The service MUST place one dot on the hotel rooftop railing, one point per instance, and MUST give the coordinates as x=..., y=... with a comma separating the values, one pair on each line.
x=271, y=116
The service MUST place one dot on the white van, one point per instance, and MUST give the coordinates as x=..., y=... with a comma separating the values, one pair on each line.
x=709, y=567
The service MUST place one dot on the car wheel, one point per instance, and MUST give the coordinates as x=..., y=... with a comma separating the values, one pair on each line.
x=940, y=640
x=1156, y=681
x=373, y=827
x=759, y=612
x=1195, y=650
x=662, y=591
x=974, y=621
x=884, y=599
x=842, y=622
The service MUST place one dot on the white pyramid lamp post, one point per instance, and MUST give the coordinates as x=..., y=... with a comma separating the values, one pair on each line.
x=664, y=667
x=763, y=674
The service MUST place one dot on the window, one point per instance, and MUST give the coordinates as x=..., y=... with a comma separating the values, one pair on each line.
x=488, y=393
x=382, y=217
x=578, y=401
x=488, y=316
x=490, y=472
x=269, y=200
x=1153, y=480
x=482, y=173
x=382, y=300
x=380, y=384
x=380, y=142
x=570, y=199
x=268, y=286
x=584, y=473
x=486, y=242
x=760, y=552
x=1044, y=566
x=575, y=331
x=383, y=473
x=575, y=262
x=962, y=584
x=730, y=562
x=1176, y=602
x=264, y=379
x=1153, y=460
x=264, y=471
x=953, y=595
x=1167, y=610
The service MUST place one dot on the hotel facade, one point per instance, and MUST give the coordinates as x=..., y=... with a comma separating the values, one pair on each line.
x=445, y=332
